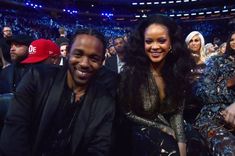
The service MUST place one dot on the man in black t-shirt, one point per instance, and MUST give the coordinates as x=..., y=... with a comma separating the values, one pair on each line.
x=5, y=46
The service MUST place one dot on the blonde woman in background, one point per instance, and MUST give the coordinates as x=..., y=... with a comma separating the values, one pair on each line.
x=196, y=43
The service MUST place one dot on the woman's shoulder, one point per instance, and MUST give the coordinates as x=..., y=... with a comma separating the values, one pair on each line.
x=214, y=59
x=220, y=62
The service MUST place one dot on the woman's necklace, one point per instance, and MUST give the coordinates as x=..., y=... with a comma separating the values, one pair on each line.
x=156, y=74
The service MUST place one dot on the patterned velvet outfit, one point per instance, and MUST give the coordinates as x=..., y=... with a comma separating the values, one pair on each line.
x=216, y=96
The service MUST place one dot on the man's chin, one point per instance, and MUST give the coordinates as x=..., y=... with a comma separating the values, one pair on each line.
x=82, y=82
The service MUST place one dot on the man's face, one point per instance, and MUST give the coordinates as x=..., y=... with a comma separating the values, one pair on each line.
x=112, y=50
x=118, y=44
x=18, y=52
x=86, y=57
x=7, y=32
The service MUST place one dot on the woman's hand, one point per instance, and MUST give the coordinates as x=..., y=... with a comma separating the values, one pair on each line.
x=231, y=82
x=182, y=148
x=229, y=114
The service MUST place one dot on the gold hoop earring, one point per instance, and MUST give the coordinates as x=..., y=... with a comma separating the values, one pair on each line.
x=170, y=50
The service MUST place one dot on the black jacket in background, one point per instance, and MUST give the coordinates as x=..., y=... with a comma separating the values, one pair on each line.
x=111, y=63
x=11, y=76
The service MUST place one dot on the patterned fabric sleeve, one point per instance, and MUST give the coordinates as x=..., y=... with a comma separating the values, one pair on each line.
x=211, y=88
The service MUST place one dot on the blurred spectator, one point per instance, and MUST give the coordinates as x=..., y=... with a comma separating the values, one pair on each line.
x=110, y=51
x=62, y=38
x=209, y=51
x=5, y=46
x=64, y=51
x=115, y=62
x=222, y=48
x=216, y=42
x=12, y=74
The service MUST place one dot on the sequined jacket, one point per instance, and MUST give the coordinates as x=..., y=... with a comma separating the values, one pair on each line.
x=152, y=114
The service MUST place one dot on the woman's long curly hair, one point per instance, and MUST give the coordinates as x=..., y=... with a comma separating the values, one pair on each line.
x=137, y=66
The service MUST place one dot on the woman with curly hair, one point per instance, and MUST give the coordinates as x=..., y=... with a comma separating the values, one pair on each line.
x=152, y=88
x=216, y=88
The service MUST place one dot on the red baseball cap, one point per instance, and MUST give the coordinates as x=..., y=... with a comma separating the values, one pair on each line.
x=40, y=50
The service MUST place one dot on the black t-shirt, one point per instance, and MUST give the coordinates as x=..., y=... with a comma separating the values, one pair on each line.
x=5, y=46
x=58, y=142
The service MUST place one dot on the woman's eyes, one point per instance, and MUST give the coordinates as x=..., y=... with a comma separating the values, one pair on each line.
x=148, y=41
x=161, y=41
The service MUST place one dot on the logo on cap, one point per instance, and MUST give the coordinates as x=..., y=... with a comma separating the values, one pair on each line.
x=32, y=49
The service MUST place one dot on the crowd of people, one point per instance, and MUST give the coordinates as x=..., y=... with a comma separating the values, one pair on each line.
x=149, y=92
x=42, y=25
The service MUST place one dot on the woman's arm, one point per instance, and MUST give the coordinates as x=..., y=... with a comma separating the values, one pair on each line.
x=177, y=124
x=182, y=148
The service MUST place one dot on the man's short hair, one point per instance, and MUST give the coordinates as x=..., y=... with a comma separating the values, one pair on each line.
x=118, y=37
x=21, y=39
x=62, y=30
x=64, y=43
x=92, y=32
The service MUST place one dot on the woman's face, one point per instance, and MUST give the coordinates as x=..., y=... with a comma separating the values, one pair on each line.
x=223, y=48
x=157, y=42
x=195, y=44
x=232, y=42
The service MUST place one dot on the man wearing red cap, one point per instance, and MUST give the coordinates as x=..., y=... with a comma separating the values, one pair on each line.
x=23, y=53
x=43, y=51
x=62, y=111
